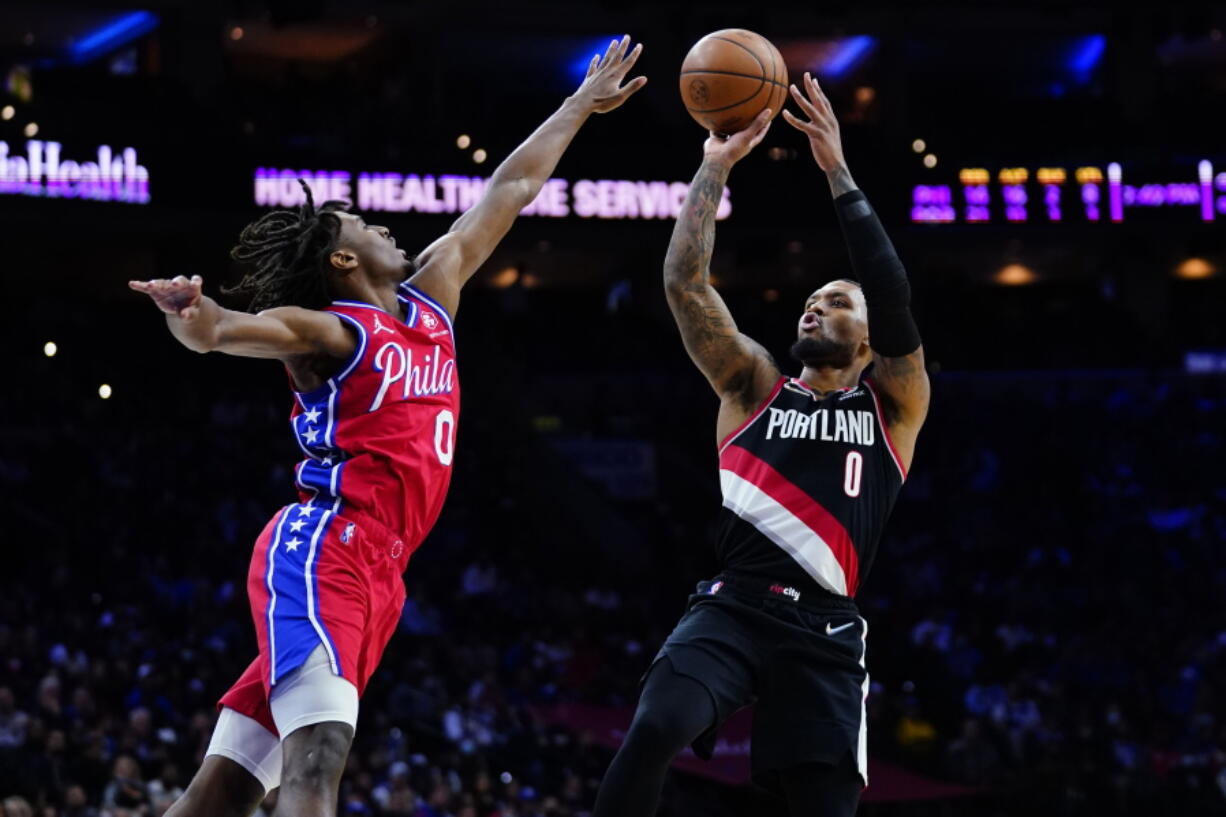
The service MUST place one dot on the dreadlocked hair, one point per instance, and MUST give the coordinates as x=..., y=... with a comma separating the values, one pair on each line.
x=289, y=251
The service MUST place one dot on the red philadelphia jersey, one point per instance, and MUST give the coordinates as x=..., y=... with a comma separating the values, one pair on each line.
x=379, y=436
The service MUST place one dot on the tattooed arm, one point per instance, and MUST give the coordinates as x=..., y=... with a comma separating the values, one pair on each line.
x=739, y=369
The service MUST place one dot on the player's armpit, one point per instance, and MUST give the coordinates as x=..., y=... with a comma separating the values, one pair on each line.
x=736, y=366
x=282, y=333
x=447, y=264
x=905, y=389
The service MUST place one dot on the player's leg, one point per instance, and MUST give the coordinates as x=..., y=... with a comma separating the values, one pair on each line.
x=673, y=711
x=241, y=765
x=822, y=789
x=316, y=712
x=314, y=759
x=221, y=788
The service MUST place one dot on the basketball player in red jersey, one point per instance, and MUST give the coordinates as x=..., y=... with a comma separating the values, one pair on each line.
x=810, y=467
x=365, y=333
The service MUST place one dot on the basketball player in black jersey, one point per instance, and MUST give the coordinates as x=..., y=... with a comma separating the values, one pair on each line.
x=810, y=467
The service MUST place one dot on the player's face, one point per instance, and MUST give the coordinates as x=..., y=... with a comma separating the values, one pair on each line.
x=374, y=247
x=833, y=328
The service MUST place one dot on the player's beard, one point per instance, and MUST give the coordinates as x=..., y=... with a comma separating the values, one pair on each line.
x=823, y=353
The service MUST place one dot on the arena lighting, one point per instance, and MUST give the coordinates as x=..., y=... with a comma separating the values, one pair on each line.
x=578, y=64
x=31, y=130
x=463, y=141
x=452, y=194
x=49, y=348
x=109, y=36
x=505, y=277
x=7, y=112
x=1052, y=194
x=1086, y=55
x=479, y=155
x=1195, y=269
x=919, y=146
x=849, y=52
x=104, y=391
x=236, y=33
x=1014, y=275
x=930, y=161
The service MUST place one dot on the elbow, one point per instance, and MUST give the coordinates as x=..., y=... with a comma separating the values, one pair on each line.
x=519, y=187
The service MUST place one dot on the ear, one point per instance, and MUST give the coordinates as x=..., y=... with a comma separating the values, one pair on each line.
x=343, y=260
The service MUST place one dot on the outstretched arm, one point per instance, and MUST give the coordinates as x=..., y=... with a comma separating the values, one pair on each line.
x=898, y=354
x=284, y=333
x=450, y=261
x=738, y=368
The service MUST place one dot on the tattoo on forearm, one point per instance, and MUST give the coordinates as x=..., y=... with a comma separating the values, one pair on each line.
x=840, y=181
x=689, y=252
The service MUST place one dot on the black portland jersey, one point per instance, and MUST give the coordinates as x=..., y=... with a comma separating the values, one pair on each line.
x=808, y=483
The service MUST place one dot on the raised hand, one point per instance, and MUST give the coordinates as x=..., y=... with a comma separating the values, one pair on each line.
x=179, y=296
x=602, y=89
x=731, y=149
x=822, y=127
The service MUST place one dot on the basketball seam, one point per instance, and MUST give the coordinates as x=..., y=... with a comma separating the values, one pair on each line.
x=732, y=74
x=770, y=49
x=746, y=50
x=762, y=78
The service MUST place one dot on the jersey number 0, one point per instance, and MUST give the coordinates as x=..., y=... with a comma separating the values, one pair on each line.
x=444, y=436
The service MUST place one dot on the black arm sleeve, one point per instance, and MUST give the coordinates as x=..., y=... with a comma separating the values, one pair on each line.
x=883, y=279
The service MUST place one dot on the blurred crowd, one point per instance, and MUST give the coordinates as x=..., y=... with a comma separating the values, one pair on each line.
x=1045, y=612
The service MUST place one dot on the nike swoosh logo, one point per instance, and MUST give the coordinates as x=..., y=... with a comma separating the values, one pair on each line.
x=832, y=630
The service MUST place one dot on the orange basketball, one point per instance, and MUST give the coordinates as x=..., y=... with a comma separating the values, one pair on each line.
x=729, y=76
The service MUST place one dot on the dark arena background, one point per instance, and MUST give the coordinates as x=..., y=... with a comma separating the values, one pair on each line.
x=1047, y=619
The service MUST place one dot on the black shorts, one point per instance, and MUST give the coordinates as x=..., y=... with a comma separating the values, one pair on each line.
x=800, y=662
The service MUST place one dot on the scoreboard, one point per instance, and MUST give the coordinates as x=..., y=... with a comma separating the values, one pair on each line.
x=1087, y=194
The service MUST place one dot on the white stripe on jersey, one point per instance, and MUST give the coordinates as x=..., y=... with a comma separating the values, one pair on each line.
x=782, y=527
x=862, y=743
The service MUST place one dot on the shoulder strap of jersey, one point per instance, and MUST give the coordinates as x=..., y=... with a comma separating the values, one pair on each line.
x=416, y=300
x=770, y=398
x=885, y=429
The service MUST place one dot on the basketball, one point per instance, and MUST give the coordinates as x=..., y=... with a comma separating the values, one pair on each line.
x=729, y=76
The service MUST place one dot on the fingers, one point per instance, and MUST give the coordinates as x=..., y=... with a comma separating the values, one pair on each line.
x=807, y=128
x=591, y=66
x=635, y=84
x=760, y=135
x=622, y=46
x=629, y=61
x=608, y=54
x=818, y=95
x=805, y=105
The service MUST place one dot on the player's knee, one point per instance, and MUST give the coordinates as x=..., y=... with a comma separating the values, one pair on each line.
x=658, y=731
x=314, y=756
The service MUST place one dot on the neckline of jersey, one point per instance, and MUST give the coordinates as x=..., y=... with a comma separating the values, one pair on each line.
x=815, y=392
x=399, y=297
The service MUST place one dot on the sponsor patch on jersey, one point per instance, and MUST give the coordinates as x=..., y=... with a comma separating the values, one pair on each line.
x=791, y=592
x=429, y=319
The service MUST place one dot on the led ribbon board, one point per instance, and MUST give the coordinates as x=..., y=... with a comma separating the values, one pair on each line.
x=412, y=193
x=1052, y=195
x=42, y=170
